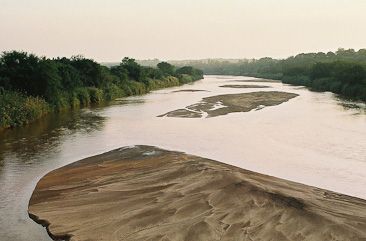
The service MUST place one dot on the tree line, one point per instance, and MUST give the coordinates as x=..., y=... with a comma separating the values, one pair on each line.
x=32, y=86
x=342, y=72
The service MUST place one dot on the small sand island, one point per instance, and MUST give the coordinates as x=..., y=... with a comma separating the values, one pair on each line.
x=188, y=90
x=224, y=104
x=244, y=86
x=146, y=193
x=259, y=80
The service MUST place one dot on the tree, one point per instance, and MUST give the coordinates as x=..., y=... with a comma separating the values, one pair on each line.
x=321, y=70
x=89, y=70
x=18, y=70
x=166, y=68
x=153, y=73
x=70, y=77
x=134, y=70
x=48, y=82
x=349, y=72
x=120, y=72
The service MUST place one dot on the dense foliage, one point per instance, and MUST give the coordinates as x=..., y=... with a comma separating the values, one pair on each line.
x=342, y=72
x=17, y=109
x=31, y=86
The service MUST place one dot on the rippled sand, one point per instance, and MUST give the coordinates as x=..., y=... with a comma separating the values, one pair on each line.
x=146, y=193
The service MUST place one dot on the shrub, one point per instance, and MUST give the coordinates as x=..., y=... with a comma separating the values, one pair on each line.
x=83, y=96
x=95, y=95
x=112, y=92
x=185, y=78
x=136, y=88
x=17, y=109
x=74, y=100
x=297, y=80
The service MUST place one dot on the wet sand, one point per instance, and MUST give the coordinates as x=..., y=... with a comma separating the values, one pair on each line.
x=244, y=86
x=146, y=193
x=230, y=103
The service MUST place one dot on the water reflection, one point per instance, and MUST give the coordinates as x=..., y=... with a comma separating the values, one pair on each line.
x=28, y=152
x=346, y=104
x=46, y=134
x=358, y=107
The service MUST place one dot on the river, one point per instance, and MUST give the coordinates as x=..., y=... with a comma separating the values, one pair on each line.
x=315, y=138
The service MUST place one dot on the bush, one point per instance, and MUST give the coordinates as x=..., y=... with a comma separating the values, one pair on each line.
x=61, y=101
x=112, y=92
x=135, y=88
x=74, y=100
x=351, y=91
x=83, y=96
x=322, y=84
x=17, y=109
x=335, y=87
x=297, y=80
x=274, y=76
x=95, y=95
x=185, y=78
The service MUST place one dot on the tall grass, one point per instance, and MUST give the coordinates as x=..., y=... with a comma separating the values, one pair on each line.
x=17, y=109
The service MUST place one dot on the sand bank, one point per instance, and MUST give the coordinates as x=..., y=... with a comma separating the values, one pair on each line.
x=188, y=90
x=145, y=193
x=224, y=104
x=244, y=86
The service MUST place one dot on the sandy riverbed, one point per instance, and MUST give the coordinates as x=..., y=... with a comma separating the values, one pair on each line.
x=146, y=193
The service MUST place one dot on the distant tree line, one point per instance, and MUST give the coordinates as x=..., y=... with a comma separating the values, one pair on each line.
x=342, y=72
x=32, y=86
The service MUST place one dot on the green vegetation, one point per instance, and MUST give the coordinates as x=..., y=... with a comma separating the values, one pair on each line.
x=31, y=87
x=17, y=109
x=342, y=72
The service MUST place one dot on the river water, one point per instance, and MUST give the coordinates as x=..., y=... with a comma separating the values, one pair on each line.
x=315, y=138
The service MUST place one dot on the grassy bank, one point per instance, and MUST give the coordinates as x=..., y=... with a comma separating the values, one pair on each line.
x=31, y=87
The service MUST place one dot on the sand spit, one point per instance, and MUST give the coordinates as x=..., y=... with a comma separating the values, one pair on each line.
x=258, y=80
x=244, y=86
x=224, y=104
x=146, y=193
x=188, y=90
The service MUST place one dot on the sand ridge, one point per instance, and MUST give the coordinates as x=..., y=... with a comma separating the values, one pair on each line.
x=188, y=90
x=146, y=193
x=244, y=86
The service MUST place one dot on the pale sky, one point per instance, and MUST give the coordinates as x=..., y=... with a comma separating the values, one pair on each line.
x=107, y=30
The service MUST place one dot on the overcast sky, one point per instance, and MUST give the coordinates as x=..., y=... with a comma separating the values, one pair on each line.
x=107, y=30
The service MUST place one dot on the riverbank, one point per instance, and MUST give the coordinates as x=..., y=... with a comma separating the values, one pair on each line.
x=342, y=72
x=146, y=193
x=31, y=86
x=17, y=109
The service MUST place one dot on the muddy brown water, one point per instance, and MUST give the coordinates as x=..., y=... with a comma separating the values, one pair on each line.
x=315, y=138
